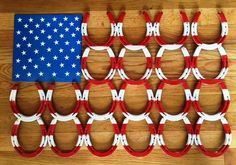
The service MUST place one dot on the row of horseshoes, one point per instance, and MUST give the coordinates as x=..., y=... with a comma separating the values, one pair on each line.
x=192, y=99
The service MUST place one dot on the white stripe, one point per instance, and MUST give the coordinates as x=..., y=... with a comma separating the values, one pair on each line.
x=185, y=52
x=116, y=140
x=122, y=52
x=185, y=73
x=226, y=94
x=114, y=94
x=113, y=29
x=197, y=73
x=161, y=140
x=13, y=95
x=134, y=47
x=171, y=46
x=86, y=52
x=188, y=94
x=79, y=141
x=87, y=140
x=85, y=94
x=160, y=52
x=28, y=118
x=150, y=94
x=99, y=48
x=41, y=95
x=146, y=52
x=224, y=29
x=148, y=120
x=49, y=95
x=121, y=95
x=124, y=140
x=149, y=29
x=222, y=50
x=135, y=117
x=78, y=94
x=90, y=121
x=152, y=140
x=100, y=117
x=186, y=29
x=12, y=141
x=210, y=46
x=156, y=29
x=198, y=139
x=197, y=51
x=64, y=118
x=42, y=141
x=189, y=140
x=84, y=29
x=119, y=27
x=16, y=141
x=158, y=94
x=194, y=29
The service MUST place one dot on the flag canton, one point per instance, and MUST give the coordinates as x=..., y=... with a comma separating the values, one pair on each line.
x=47, y=48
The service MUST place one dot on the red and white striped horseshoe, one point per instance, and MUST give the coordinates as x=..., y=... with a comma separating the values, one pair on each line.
x=89, y=144
x=16, y=109
x=84, y=66
x=52, y=144
x=187, y=60
x=152, y=142
x=189, y=142
x=19, y=148
x=224, y=63
x=52, y=110
x=86, y=103
x=224, y=107
x=223, y=148
x=196, y=38
x=87, y=39
x=188, y=101
x=185, y=34
x=125, y=42
x=121, y=69
x=123, y=107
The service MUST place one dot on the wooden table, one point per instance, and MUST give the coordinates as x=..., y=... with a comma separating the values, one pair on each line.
x=100, y=98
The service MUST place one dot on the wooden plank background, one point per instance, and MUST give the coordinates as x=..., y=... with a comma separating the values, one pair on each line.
x=135, y=98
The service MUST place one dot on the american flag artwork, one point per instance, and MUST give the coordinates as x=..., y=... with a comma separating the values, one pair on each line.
x=47, y=48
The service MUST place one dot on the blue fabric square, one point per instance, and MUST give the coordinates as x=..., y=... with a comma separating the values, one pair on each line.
x=47, y=48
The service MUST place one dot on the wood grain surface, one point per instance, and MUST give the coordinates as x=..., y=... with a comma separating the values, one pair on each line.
x=135, y=98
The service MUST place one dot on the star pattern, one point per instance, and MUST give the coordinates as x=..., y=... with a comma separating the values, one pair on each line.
x=47, y=48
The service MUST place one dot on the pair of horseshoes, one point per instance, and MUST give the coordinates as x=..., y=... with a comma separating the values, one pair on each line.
x=213, y=46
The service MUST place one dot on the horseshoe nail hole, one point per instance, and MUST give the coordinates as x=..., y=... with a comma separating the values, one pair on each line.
x=173, y=130
x=66, y=135
x=138, y=135
x=98, y=63
x=100, y=98
x=176, y=95
x=98, y=27
x=136, y=99
x=102, y=135
x=209, y=63
x=210, y=98
x=64, y=98
x=28, y=98
x=209, y=27
x=172, y=59
x=171, y=26
x=29, y=135
x=134, y=27
x=134, y=64
x=212, y=134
